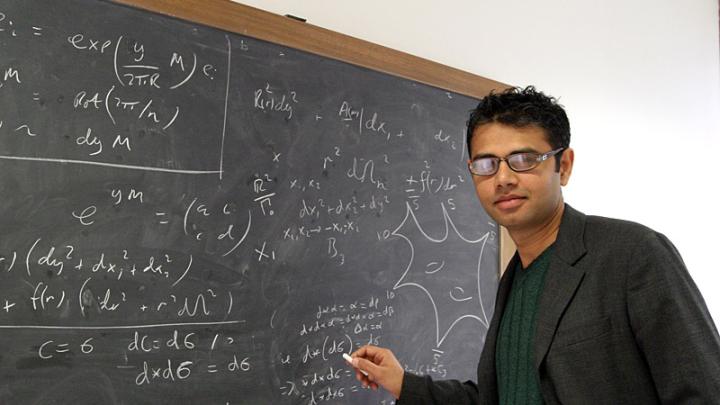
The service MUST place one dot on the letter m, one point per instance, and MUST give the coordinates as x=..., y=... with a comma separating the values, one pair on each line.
x=122, y=141
x=11, y=73
x=177, y=59
x=135, y=195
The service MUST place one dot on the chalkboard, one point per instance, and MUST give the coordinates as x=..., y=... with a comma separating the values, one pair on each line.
x=189, y=215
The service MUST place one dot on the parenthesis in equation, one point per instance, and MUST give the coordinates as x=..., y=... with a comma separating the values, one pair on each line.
x=12, y=264
x=323, y=348
x=187, y=213
x=187, y=269
x=107, y=104
x=115, y=60
x=172, y=120
x=350, y=342
x=80, y=296
x=242, y=239
x=192, y=72
x=27, y=257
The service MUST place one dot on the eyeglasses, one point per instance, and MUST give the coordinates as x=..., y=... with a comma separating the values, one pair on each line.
x=518, y=162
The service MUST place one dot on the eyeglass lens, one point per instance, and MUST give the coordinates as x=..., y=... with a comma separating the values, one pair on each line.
x=518, y=162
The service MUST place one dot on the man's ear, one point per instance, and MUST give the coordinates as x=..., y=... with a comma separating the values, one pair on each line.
x=566, y=164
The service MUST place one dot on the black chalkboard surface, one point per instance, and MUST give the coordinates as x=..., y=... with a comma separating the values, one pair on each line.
x=193, y=216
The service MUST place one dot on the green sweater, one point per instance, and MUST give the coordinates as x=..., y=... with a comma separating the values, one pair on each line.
x=516, y=376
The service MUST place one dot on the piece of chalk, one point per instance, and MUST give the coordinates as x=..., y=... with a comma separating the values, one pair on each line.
x=349, y=360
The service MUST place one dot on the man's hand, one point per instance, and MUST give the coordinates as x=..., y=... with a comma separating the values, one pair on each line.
x=382, y=369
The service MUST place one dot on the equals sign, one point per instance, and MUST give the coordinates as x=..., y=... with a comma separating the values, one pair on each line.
x=161, y=214
x=36, y=96
x=212, y=368
x=37, y=31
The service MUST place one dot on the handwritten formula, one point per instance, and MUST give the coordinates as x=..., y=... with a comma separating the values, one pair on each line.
x=195, y=216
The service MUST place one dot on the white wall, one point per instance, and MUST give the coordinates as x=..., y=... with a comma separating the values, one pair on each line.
x=640, y=80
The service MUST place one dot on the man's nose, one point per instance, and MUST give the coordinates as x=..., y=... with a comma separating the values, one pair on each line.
x=505, y=176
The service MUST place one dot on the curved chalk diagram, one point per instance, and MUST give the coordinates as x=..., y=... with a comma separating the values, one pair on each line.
x=457, y=294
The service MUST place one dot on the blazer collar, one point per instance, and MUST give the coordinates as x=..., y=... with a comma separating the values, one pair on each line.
x=570, y=242
x=561, y=281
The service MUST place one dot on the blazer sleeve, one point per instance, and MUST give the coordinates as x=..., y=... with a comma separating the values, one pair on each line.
x=672, y=325
x=425, y=391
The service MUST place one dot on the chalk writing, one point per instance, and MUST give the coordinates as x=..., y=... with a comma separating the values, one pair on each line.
x=267, y=99
x=372, y=123
x=206, y=217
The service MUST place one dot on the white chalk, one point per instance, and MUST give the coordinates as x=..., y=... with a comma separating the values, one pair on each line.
x=349, y=360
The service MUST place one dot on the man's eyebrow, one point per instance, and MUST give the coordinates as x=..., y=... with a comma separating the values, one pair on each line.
x=483, y=155
x=521, y=150
x=524, y=150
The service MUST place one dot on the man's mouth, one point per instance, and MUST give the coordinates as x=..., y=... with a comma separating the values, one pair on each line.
x=509, y=201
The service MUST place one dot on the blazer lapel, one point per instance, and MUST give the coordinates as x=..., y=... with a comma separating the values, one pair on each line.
x=502, y=296
x=561, y=280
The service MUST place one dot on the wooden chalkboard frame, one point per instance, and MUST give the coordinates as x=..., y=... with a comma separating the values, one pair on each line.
x=245, y=20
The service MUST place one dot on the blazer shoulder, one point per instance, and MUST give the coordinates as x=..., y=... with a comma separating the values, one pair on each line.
x=624, y=243
x=621, y=232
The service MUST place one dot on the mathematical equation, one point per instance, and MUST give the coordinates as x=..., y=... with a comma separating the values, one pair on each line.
x=187, y=207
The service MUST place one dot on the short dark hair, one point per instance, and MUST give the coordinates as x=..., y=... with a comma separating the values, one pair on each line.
x=522, y=107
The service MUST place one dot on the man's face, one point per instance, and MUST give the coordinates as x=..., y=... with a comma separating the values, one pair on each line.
x=522, y=201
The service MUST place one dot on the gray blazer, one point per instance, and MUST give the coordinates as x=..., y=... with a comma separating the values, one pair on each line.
x=620, y=321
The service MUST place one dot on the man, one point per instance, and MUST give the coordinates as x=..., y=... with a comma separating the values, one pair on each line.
x=590, y=310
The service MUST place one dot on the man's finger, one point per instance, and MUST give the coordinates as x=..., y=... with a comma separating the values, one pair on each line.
x=367, y=366
x=365, y=351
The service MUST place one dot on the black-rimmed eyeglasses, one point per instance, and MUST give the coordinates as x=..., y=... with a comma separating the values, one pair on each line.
x=518, y=162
